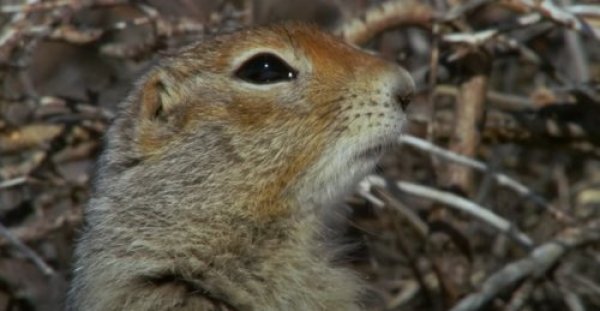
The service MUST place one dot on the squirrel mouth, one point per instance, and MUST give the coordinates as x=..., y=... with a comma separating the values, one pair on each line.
x=372, y=152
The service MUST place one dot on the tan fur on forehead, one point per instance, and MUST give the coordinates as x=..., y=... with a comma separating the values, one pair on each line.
x=225, y=47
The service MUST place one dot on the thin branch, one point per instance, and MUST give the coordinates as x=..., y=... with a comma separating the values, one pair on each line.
x=469, y=112
x=465, y=7
x=500, y=178
x=434, y=59
x=25, y=250
x=13, y=182
x=469, y=207
x=456, y=202
x=577, y=54
x=572, y=300
x=409, y=214
x=521, y=296
x=41, y=228
x=29, y=136
x=536, y=264
x=11, y=35
x=547, y=9
x=36, y=6
x=499, y=100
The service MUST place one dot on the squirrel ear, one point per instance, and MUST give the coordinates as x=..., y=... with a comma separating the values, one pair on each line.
x=154, y=99
x=155, y=105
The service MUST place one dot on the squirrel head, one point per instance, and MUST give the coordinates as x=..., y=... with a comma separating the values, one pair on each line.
x=284, y=113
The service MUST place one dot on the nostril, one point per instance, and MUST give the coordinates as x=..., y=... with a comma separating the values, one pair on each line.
x=404, y=88
x=404, y=100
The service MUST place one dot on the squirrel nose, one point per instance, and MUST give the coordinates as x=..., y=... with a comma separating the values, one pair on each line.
x=404, y=100
x=404, y=88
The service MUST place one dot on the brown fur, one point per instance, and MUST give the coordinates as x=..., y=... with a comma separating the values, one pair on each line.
x=211, y=192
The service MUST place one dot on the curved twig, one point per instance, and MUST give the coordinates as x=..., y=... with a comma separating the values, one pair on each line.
x=384, y=16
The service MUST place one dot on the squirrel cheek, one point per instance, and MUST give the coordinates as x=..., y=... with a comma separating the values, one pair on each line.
x=148, y=139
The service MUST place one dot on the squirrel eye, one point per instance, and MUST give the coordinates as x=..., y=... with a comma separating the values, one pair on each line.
x=265, y=68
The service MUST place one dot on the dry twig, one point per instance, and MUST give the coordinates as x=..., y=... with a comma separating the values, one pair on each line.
x=500, y=178
x=547, y=9
x=469, y=207
x=536, y=264
x=26, y=251
x=469, y=112
x=387, y=15
x=459, y=203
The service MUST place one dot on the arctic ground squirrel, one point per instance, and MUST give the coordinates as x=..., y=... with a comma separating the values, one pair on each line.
x=220, y=166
